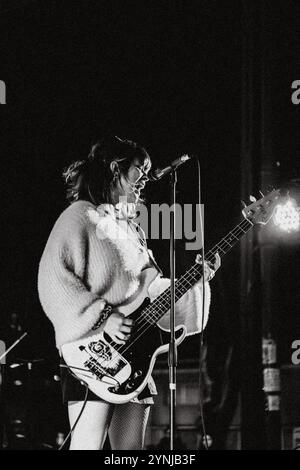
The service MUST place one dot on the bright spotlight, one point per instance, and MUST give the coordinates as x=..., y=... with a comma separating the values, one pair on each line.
x=287, y=216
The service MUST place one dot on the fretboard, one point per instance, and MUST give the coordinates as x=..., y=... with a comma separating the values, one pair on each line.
x=162, y=303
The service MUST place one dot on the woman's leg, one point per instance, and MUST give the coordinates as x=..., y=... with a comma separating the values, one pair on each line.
x=91, y=429
x=128, y=426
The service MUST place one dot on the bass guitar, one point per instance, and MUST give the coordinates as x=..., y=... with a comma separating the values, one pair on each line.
x=118, y=373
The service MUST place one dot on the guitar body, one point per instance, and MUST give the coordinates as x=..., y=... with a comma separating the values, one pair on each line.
x=115, y=373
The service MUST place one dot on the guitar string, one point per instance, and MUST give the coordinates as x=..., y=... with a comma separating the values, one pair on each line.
x=164, y=297
x=187, y=275
x=193, y=269
x=166, y=293
x=142, y=330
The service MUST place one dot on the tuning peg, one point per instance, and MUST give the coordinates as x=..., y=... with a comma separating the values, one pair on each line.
x=261, y=193
x=252, y=198
x=244, y=204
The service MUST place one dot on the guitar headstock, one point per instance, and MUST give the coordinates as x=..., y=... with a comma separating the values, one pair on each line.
x=260, y=211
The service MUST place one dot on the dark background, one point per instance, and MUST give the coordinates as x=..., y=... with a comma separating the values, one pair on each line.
x=169, y=75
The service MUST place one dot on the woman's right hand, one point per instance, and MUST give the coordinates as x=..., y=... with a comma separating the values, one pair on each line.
x=118, y=327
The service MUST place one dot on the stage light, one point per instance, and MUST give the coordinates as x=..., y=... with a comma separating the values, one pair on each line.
x=287, y=216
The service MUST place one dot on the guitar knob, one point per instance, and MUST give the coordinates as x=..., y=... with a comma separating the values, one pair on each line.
x=130, y=385
x=137, y=374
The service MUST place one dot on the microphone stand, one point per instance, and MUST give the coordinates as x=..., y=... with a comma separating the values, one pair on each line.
x=172, y=358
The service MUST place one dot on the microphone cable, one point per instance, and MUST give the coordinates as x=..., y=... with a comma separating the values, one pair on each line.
x=82, y=408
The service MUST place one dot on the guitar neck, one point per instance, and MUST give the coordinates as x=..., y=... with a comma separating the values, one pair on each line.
x=161, y=304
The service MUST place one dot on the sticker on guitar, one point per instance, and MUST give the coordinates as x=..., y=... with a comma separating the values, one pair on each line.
x=101, y=361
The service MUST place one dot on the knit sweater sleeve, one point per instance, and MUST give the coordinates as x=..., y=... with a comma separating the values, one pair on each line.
x=188, y=309
x=64, y=293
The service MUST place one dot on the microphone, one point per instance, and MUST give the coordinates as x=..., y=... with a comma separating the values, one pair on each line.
x=160, y=173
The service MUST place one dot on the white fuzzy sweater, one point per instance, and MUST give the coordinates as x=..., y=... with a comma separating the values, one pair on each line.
x=87, y=264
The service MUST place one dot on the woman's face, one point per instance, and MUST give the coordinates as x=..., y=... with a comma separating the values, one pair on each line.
x=131, y=184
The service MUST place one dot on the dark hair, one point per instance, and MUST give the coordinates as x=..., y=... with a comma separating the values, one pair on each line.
x=91, y=179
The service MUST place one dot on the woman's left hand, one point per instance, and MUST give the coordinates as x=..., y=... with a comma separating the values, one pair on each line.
x=210, y=268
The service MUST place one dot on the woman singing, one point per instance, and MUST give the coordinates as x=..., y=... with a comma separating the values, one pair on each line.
x=81, y=273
